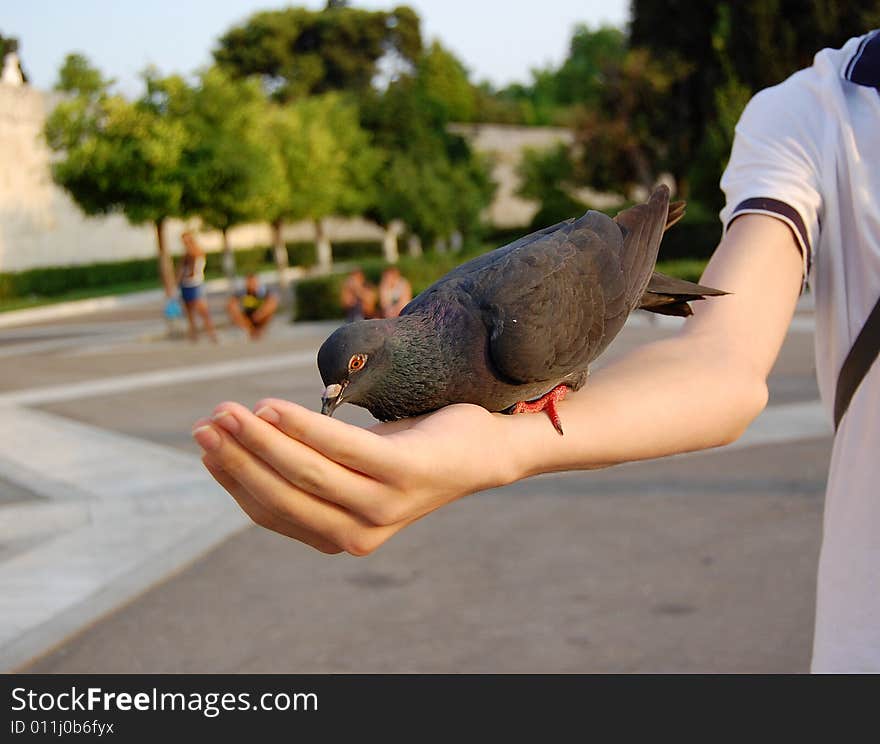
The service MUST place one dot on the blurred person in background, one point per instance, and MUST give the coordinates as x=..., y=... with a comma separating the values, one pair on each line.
x=253, y=307
x=191, y=279
x=395, y=292
x=358, y=297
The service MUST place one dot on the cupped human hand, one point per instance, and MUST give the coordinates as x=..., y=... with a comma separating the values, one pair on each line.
x=339, y=487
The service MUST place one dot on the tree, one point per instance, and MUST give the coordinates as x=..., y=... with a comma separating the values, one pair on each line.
x=116, y=156
x=231, y=170
x=546, y=177
x=431, y=180
x=582, y=76
x=298, y=52
x=444, y=82
x=762, y=43
x=553, y=92
x=327, y=165
x=616, y=145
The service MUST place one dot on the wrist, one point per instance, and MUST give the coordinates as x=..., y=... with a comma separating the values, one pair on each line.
x=521, y=451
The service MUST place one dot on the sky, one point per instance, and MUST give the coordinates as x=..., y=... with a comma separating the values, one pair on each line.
x=498, y=40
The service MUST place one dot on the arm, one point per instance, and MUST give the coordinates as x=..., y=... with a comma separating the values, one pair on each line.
x=405, y=297
x=698, y=389
x=340, y=487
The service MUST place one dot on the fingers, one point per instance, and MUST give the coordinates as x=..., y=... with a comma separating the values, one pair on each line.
x=290, y=504
x=352, y=446
x=263, y=517
x=310, y=470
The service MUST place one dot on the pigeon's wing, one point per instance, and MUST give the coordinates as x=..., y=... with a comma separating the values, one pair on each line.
x=461, y=274
x=552, y=305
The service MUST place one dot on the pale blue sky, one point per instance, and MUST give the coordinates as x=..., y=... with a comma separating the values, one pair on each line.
x=498, y=40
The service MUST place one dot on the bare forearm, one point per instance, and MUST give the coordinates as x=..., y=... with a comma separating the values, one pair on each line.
x=671, y=396
x=696, y=390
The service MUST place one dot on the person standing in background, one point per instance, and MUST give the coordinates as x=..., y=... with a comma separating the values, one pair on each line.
x=191, y=279
x=358, y=297
x=395, y=292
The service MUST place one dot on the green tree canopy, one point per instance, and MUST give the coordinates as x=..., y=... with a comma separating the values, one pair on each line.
x=298, y=52
x=327, y=162
x=431, y=179
x=731, y=50
x=444, y=83
x=552, y=92
x=231, y=170
x=115, y=155
x=77, y=76
x=547, y=176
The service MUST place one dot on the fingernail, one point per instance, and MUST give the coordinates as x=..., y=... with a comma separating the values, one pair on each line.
x=227, y=421
x=206, y=437
x=268, y=414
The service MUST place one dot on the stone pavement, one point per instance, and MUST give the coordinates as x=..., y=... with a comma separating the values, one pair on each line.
x=696, y=563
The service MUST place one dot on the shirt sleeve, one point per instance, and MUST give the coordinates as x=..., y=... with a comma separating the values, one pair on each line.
x=774, y=164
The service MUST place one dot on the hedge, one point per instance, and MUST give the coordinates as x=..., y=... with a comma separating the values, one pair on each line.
x=317, y=297
x=53, y=281
x=58, y=280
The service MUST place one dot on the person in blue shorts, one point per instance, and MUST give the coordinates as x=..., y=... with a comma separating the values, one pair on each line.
x=191, y=279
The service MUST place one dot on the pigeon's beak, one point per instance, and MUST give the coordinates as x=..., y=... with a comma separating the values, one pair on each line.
x=331, y=398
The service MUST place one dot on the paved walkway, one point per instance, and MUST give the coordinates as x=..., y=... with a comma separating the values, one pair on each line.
x=698, y=563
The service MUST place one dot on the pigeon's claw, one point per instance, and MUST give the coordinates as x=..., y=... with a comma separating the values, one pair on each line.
x=546, y=402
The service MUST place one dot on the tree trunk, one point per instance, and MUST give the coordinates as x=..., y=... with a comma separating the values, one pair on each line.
x=414, y=245
x=166, y=267
x=281, y=262
x=323, y=246
x=228, y=259
x=389, y=241
x=682, y=190
x=644, y=174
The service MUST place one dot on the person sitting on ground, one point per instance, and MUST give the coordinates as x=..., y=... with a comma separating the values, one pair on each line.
x=395, y=292
x=358, y=297
x=253, y=307
x=191, y=279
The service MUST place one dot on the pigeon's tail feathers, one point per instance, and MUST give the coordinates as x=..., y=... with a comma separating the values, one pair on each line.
x=676, y=212
x=667, y=295
x=642, y=227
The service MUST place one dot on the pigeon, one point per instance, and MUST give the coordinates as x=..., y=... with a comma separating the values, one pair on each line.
x=516, y=328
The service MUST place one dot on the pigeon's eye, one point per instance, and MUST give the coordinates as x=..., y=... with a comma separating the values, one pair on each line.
x=357, y=362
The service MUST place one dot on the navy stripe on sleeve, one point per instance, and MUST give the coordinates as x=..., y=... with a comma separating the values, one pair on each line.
x=776, y=208
x=864, y=66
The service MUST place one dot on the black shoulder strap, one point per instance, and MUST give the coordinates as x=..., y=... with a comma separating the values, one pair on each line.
x=857, y=363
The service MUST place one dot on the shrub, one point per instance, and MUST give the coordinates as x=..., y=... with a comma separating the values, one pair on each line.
x=317, y=297
x=690, y=239
x=57, y=280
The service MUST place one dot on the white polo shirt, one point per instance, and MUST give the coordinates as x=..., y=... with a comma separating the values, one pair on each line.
x=807, y=151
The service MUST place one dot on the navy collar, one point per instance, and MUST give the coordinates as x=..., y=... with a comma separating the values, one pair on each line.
x=864, y=66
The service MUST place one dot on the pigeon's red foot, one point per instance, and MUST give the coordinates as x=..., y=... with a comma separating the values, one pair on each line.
x=546, y=403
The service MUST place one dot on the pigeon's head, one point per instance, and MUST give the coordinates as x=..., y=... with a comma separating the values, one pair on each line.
x=351, y=361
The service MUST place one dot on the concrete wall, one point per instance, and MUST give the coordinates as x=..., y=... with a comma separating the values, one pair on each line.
x=41, y=226
x=506, y=143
